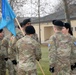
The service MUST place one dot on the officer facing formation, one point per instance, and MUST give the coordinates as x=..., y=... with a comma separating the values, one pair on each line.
x=59, y=51
x=68, y=33
x=3, y=53
x=27, y=22
x=28, y=49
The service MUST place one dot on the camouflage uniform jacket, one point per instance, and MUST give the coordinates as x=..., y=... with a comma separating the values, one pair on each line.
x=72, y=39
x=59, y=58
x=3, y=50
x=11, y=51
x=28, y=49
x=35, y=36
x=73, y=52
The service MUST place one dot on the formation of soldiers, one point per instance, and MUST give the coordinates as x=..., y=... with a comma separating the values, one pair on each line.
x=19, y=54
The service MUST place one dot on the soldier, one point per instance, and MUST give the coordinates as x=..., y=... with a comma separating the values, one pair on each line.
x=59, y=51
x=29, y=51
x=27, y=22
x=3, y=53
x=12, y=61
x=68, y=32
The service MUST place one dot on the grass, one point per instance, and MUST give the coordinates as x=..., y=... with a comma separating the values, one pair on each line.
x=44, y=62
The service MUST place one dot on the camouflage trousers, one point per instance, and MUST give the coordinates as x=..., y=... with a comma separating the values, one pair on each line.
x=61, y=73
x=2, y=68
x=22, y=72
x=10, y=67
x=73, y=72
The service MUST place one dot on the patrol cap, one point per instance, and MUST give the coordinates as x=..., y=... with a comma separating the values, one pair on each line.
x=1, y=30
x=29, y=30
x=58, y=23
x=25, y=21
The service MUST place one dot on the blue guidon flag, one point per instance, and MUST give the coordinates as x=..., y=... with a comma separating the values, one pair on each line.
x=8, y=17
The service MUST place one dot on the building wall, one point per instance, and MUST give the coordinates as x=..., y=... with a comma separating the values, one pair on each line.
x=46, y=30
x=73, y=24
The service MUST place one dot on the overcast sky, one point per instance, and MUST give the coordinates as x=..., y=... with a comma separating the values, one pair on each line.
x=31, y=10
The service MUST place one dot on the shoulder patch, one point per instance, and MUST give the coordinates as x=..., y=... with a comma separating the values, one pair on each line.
x=74, y=43
x=49, y=45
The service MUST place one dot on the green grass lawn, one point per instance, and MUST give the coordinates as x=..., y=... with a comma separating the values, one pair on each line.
x=44, y=62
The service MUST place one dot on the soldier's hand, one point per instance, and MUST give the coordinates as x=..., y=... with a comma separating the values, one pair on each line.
x=75, y=65
x=72, y=67
x=6, y=59
x=37, y=59
x=14, y=62
x=51, y=69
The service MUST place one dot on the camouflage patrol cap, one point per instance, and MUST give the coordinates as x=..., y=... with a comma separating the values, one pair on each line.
x=1, y=30
x=30, y=30
x=25, y=21
x=58, y=23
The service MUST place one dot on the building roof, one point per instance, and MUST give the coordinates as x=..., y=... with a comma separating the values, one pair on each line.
x=60, y=15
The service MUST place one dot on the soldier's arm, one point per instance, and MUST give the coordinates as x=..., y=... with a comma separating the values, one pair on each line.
x=52, y=52
x=73, y=54
x=38, y=51
x=5, y=45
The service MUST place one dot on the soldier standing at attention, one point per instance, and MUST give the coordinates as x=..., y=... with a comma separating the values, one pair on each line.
x=68, y=33
x=59, y=51
x=28, y=49
x=3, y=53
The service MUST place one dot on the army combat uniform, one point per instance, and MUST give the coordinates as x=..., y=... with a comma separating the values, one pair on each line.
x=3, y=56
x=12, y=53
x=73, y=53
x=28, y=49
x=60, y=54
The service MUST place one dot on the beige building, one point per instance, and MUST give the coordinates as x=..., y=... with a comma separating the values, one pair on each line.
x=47, y=30
x=46, y=26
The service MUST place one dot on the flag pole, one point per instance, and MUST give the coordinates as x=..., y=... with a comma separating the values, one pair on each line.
x=24, y=35
x=19, y=26
x=40, y=68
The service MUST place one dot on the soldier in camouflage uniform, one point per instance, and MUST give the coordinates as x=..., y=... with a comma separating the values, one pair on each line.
x=68, y=33
x=12, y=61
x=29, y=51
x=3, y=53
x=27, y=22
x=59, y=51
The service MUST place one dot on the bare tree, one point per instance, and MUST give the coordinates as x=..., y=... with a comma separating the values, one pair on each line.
x=70, y=3
x=19, y=6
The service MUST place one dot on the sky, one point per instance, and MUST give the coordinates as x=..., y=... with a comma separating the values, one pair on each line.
x=31, y=10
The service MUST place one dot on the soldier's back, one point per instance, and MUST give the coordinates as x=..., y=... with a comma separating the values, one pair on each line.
x=26, y=47
x=60, y=51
